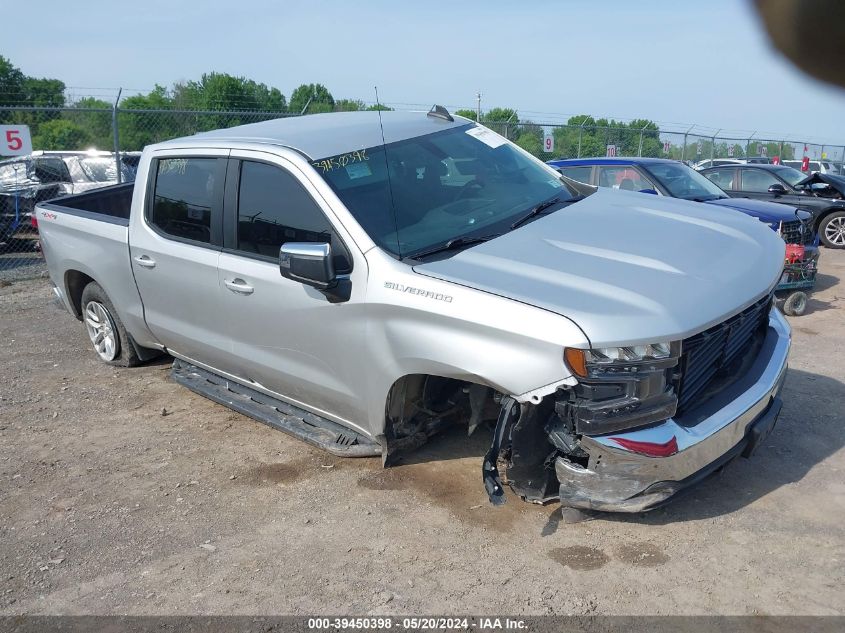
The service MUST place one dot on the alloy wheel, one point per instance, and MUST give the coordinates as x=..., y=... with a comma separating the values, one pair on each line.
x=834, y=231
x=101, y=330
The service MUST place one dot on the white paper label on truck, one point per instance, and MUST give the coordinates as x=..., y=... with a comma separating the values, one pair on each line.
x=488, y=137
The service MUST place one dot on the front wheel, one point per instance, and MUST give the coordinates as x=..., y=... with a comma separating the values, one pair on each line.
x=832, y=230
x=104, y=328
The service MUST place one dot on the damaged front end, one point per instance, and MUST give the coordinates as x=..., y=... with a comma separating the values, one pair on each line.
x=644, y=422
x=618, y=389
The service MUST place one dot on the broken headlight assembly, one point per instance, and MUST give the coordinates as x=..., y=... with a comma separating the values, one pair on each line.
x=620, y=388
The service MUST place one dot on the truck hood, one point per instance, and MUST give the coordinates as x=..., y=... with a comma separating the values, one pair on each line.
x=627, y=267
x=760, y=209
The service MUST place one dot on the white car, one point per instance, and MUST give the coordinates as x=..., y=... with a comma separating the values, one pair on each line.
x=815, y=166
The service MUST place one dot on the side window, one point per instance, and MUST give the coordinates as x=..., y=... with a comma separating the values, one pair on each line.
x=623, y=177
x=579, y=174
x=273, y=208
x=757, y=180
x=722, y=178
x=184, y=197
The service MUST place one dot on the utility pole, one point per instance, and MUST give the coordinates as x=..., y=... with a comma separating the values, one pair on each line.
x=478, y=107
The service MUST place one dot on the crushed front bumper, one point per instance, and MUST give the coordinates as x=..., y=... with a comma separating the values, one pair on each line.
x=734, y=422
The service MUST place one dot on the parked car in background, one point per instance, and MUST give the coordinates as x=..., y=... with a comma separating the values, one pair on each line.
x=674, y=179
x=813, y=166
x=364, y=280
x=27, y=180
x=717, y=162
x=779, y=183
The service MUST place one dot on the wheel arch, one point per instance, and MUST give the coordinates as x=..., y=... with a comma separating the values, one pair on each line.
x=75, y=282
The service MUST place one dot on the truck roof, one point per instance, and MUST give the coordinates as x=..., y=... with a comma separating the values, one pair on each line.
x=323, y=135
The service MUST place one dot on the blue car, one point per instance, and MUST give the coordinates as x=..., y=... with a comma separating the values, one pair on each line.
x=661, y=176
x=672, y=178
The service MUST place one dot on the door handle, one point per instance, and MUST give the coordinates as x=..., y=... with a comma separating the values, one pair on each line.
x=146, y=261
x=239, y=285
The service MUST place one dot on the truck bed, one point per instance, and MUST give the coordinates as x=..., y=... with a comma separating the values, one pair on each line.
x=107, y=204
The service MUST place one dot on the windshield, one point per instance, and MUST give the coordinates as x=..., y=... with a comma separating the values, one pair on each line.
x=462, y=182
x=683, y=182
x=790, y=175
x=95, y=169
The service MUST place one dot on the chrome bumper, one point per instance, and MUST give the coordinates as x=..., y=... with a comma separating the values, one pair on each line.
x=622, y=480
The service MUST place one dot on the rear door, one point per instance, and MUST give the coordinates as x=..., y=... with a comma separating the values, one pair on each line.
x=289, y=338
x=726, y=178
x=175, y=243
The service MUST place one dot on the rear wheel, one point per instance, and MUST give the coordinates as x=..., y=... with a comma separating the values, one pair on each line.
x=105, y=330
x=832, y=230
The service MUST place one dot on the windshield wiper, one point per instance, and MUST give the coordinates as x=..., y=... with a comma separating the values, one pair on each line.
x=454, y=244
x=537, y=210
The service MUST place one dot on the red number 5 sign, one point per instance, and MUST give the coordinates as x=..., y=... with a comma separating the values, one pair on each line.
x=15, y=140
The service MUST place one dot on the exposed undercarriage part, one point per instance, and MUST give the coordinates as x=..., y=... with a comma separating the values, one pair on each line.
x=527, y=437
x=420, y=406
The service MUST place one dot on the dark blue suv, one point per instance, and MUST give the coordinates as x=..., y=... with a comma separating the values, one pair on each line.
x=672, y=178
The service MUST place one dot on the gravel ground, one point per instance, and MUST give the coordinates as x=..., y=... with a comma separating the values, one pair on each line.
x=124, y=493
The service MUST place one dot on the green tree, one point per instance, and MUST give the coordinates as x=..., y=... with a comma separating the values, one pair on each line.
x=11, y=83
x=316, y=97
x=469, y=114
x=349, y=105
x=139, y=127
x=61, y=134
x=95, y=117
x=379, y=106
x=44, y=92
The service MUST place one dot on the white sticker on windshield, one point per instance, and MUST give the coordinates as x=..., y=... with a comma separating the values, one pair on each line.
x=358, y=170
x=488, y=137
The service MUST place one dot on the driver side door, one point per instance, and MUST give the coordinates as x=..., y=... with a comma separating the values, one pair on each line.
x=289, y=339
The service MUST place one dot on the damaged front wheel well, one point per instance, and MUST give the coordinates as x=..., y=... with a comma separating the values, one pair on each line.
x=419, y=406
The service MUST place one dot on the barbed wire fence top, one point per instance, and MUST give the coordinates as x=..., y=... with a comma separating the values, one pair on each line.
x=120, y=132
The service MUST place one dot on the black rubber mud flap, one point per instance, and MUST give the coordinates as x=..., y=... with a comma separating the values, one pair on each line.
x=317, y=431
x=508, y=414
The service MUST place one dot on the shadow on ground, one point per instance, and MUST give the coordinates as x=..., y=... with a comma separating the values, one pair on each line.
x=796, y=445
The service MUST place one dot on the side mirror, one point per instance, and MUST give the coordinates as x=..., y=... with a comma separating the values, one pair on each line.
x=308, y=263
x=651, y=191
x=778, y=189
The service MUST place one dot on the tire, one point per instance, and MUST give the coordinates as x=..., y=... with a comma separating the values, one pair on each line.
x=105, y=330
x=795, y=304
x=832, y=230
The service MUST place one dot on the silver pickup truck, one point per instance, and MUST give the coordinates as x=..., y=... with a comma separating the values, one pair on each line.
x=364, y=280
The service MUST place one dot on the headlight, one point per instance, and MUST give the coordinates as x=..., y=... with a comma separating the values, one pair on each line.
x=620, y=388
x=620, y=360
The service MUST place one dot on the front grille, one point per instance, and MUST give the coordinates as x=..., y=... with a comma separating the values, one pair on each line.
x=704, y=355
x=796, y=232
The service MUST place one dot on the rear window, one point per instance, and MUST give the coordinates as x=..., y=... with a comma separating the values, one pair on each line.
x=184, y=196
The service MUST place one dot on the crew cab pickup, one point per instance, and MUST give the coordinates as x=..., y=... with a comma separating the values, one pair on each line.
x=363, y=280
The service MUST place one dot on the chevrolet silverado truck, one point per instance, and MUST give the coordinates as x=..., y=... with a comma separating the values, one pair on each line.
x=364, y=280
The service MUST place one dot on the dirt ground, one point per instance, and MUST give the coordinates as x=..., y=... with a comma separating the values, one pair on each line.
x=124, y=493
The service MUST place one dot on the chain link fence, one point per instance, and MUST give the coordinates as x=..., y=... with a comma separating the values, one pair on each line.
x=78, y=149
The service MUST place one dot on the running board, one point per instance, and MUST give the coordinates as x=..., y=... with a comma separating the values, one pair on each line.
x=311, y=428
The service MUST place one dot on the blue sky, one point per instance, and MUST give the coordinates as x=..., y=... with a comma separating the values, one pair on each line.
x=679, y=62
